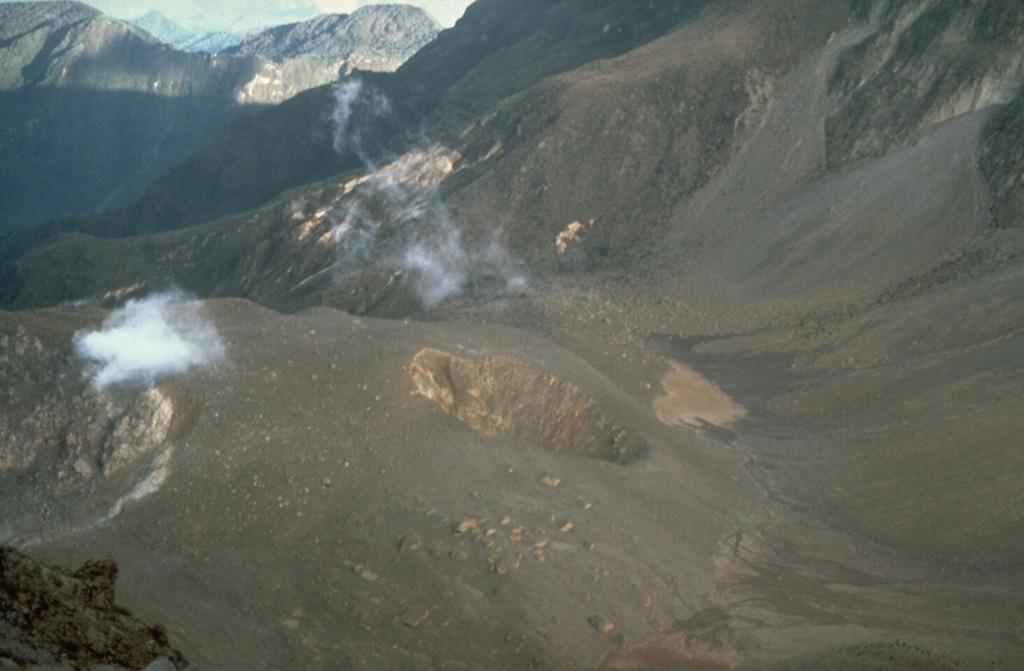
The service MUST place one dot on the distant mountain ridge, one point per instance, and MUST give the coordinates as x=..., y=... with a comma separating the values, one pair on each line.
x=495, y=51
x=551, y=75
x=374, y=37
x=93, y=109
x=188, y=38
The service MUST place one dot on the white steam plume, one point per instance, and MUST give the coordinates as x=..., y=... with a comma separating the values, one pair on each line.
x=439, y=264
x=354, y=106
x=149, y=339
x=397, y=217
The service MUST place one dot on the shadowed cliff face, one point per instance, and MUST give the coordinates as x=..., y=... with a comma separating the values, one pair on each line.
x=928, y=62
x=1001, y=158
x=497, y=49
x=619, y=144
x=94, y=110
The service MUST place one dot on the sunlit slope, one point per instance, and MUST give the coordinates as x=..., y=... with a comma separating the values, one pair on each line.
x=373, y=38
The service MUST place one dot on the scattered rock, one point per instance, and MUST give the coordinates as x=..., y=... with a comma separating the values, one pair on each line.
x=551, y=481
x=638, y=596
x=602, y=624
x=365, y=573
x=505, y=564
x=468, y=524
x=414, y=616
x=83, y=468
x=410, y=542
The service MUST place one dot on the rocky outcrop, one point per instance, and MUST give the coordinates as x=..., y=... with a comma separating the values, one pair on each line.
x=1002, y=164
x=65, y=435
x=53, y=616
x=928, y=61
x=88, y=434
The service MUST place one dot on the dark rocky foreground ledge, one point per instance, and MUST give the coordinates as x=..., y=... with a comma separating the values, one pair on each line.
x=56, y=619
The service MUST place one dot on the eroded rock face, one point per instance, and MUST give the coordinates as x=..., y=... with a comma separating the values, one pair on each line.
x=54, y=616
x=1002, y=156
x=499, y=396
x=929, y=61
x=86, y=435
x=56, y=425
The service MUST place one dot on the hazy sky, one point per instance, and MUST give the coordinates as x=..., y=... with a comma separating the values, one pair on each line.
x=240, y=15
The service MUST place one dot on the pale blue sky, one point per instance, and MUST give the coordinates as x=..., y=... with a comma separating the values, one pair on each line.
x=241, y=15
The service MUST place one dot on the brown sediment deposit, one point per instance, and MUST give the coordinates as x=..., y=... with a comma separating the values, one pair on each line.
x=690, y=399
x=702, y=642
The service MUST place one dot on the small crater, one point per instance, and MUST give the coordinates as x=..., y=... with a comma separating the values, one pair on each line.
x=499, y=396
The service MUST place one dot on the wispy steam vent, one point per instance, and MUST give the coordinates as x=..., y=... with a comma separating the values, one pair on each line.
x=354, y=106
x=148, y=340
x=396, y=217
